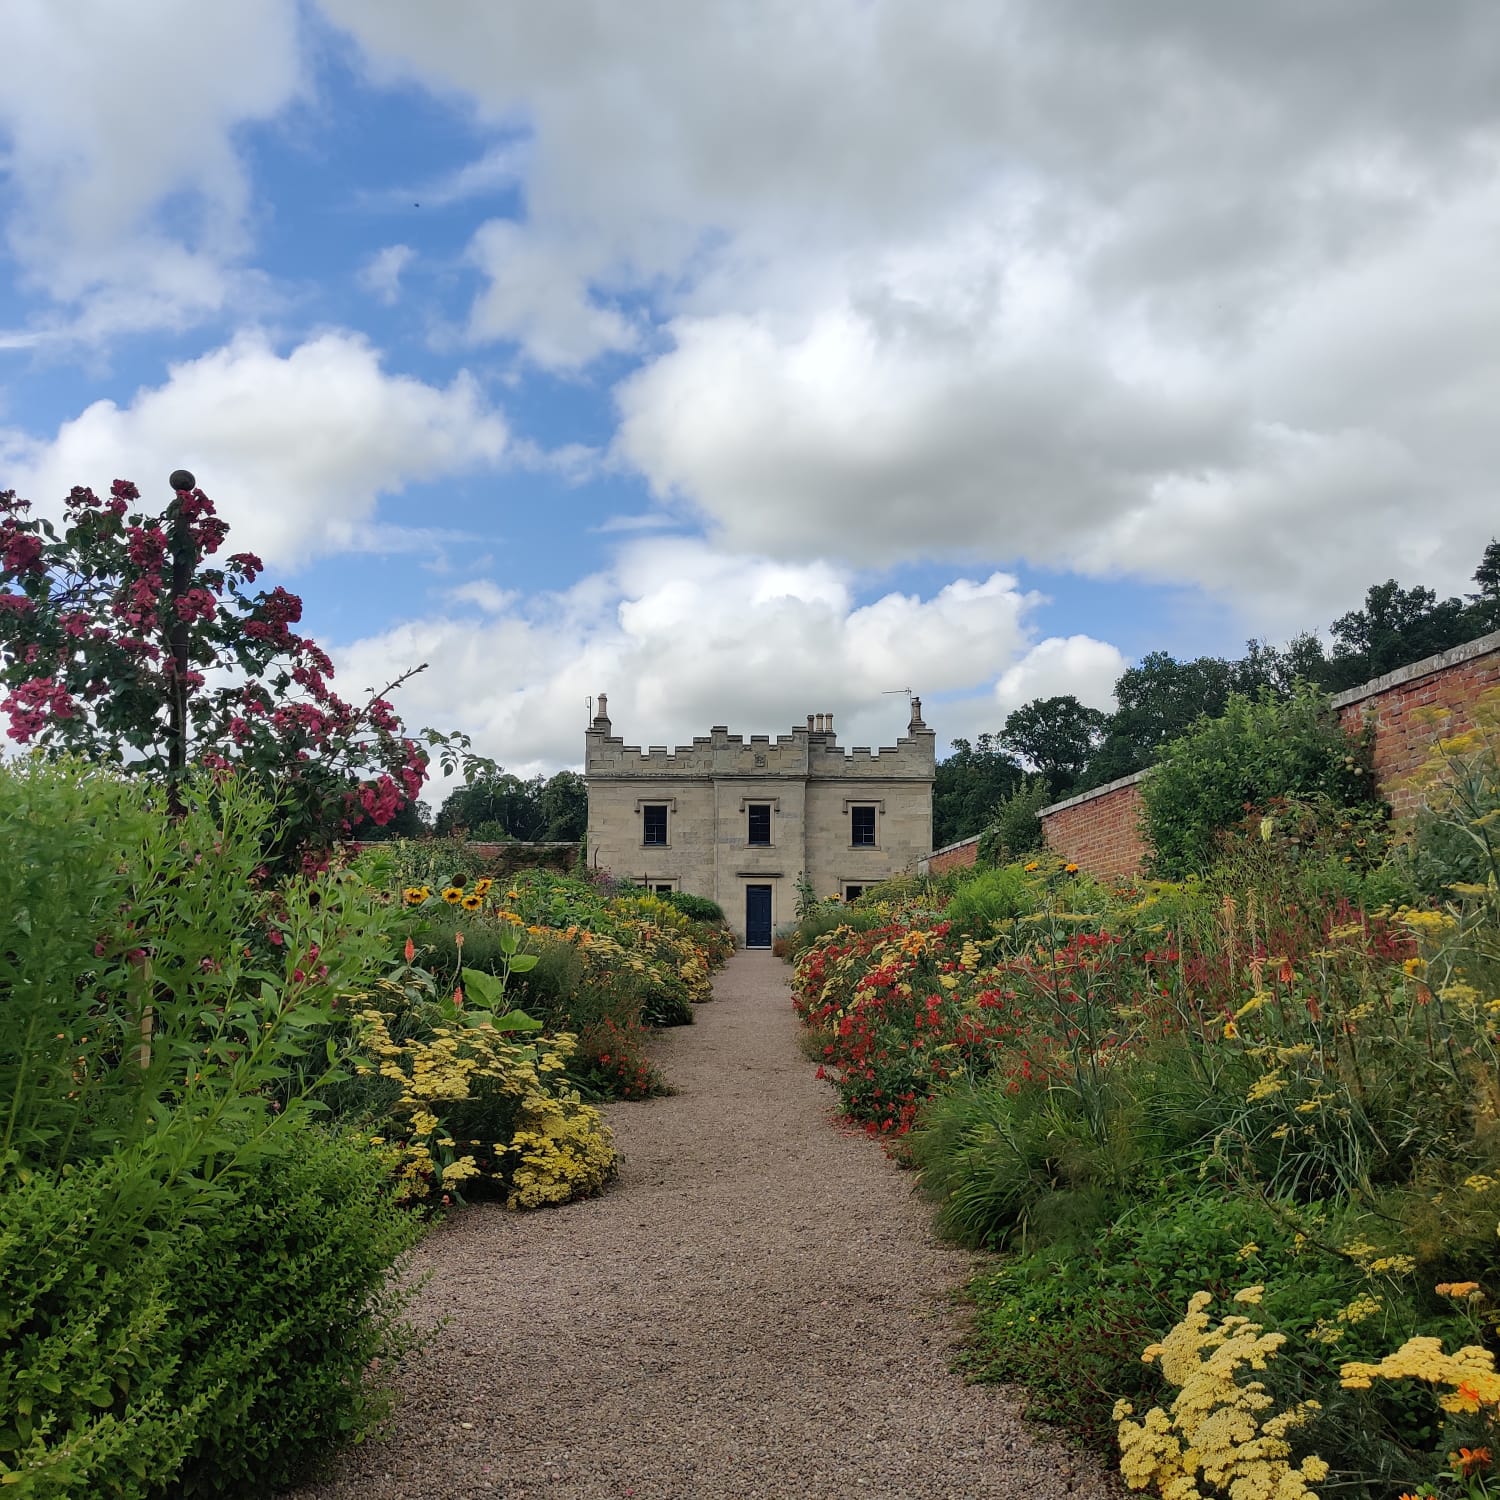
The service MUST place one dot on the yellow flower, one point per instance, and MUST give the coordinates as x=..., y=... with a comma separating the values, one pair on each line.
x=1250, y=1295
x=1070, y=868
x=472, y=903
x=1456, y=1288
x=482, y=887
x=1032, y=865
x=1246, y=1251
x=453, y=894
x=415, y=895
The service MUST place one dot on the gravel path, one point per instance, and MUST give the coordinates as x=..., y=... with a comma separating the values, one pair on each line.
x=755, y=1309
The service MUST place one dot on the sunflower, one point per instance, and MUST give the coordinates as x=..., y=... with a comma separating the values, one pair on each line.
x=415, y=895
x=472, y=903
x=482, y=887
x=453, y=894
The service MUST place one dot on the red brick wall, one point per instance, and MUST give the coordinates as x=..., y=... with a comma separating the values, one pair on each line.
x=953, y=857
x=1451, y=682
x=1102, y=834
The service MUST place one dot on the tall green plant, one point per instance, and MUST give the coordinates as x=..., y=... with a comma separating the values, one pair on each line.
x=1256, y=750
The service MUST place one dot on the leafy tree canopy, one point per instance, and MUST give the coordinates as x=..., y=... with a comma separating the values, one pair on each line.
x=1056, y=735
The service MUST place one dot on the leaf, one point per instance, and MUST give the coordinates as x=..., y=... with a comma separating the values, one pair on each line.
x=482, y=989
x=522, y=962
x=516, y=1020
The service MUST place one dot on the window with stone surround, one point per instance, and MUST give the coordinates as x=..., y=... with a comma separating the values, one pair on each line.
x=759, y=826
x=654, y=823
x=862, y=826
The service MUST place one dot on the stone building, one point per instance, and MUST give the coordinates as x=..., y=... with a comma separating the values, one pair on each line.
x=742, y=823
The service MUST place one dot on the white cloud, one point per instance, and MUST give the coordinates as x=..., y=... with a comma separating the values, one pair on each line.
x=1202, y=294
x=381, y=273
x=539, y=295
x=1076, y=664
x=295, y=449
x=111, y=112
x=681, y=637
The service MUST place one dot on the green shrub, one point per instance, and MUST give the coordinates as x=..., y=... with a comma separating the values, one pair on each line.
x=990, y=896
x=158, y=1339
x=138, y=943
x=1257, y=750
x=1015, y=829
x=699, y=908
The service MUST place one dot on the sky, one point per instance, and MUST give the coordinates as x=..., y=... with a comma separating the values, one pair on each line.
x=764, y=357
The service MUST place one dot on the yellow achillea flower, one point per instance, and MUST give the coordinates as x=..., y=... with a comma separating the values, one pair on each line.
x=1469, y=1373
x=453, y=894
x=1215, y=1430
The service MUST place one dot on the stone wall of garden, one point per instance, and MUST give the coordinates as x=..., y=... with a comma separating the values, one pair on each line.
x=1100, y=830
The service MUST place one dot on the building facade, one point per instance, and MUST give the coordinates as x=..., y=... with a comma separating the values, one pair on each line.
x=743, y=822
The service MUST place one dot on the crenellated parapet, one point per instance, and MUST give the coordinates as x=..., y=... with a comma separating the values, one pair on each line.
x=810, y=751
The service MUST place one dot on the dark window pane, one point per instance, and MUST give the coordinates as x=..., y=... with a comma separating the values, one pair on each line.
x=760, y=822
x=662, y=890
x=656, y=825
x=863, y=825
x=853, y=892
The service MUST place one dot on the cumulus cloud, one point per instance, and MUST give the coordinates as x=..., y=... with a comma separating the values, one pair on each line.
x=111, y=112
x=1201, y=294
x=295, y=448
x=682, y=636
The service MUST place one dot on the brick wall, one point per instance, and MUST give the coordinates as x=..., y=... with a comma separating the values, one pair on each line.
x=1451, y=682
x=957, y=856
x=1101, y=829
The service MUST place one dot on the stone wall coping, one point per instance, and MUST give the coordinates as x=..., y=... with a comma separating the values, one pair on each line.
x=1098, y=791
x=973, y=838
x=1481, y=646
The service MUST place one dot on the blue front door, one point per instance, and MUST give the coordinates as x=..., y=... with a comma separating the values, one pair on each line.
x=757, y=916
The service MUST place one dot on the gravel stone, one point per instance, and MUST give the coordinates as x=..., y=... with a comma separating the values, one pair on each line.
x=756, y=1308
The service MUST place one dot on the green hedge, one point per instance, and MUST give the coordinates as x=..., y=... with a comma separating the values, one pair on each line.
x=160, y=1342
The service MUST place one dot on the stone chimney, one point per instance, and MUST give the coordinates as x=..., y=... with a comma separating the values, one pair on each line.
x=830, y=723
x=916, y=717
x=601, y=718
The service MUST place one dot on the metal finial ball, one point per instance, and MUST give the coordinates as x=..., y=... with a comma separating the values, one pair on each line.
x=182, y=479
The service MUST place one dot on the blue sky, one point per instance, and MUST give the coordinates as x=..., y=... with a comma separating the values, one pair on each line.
x=756, y=359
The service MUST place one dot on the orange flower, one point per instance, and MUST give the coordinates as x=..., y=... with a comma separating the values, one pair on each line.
x=1469, y=1460
x=410, y=950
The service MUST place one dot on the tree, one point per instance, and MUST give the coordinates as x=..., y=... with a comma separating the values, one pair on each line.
x=120, y=641
x=1484, y=607
x=1158, y=700
x=564, y=808
x=1055, y=735
x=497, y=803
x=968, y=786
x=1396, y=627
